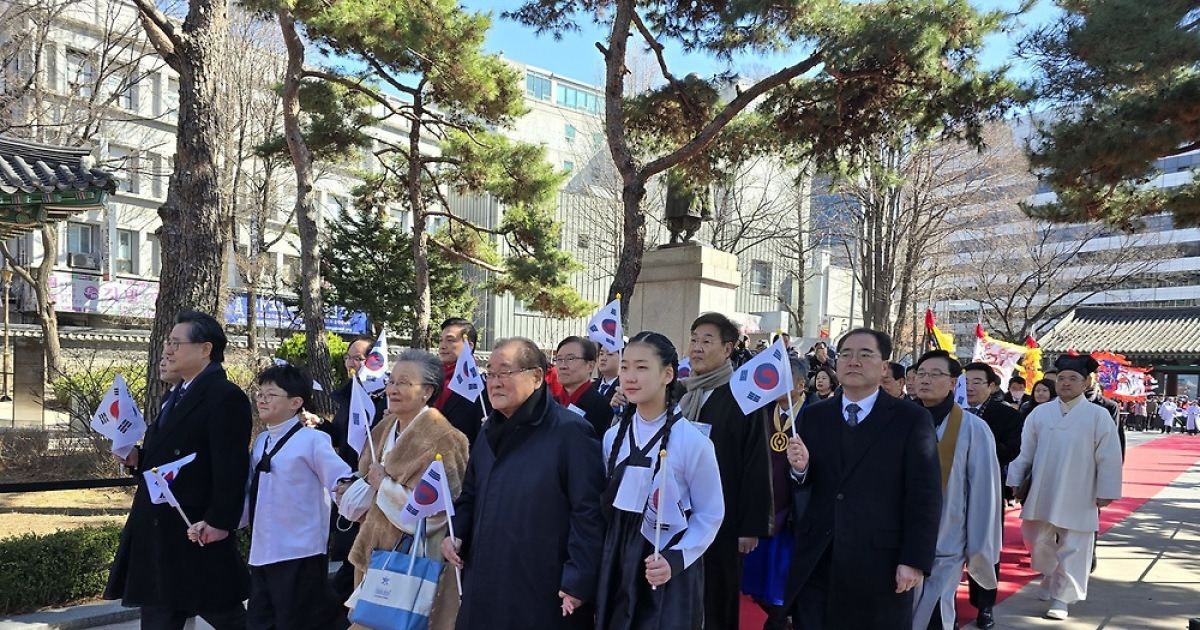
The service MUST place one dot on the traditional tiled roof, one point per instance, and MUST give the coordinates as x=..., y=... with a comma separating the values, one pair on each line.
x=41, y=183
x=1172, y=332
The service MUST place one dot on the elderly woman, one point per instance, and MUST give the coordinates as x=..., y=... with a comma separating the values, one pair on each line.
x=406, y=441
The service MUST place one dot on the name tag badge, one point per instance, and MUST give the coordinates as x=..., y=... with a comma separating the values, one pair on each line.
x=634, y=489
x=705, y=428
x=576, y=410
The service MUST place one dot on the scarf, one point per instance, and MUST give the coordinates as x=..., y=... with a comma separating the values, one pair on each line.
x=444, y=396
x=698, y=384
x=500, y=428
x=567, y=400
x=941, y=410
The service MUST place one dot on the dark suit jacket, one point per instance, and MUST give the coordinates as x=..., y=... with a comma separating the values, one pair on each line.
x=608, y=394
x=156, y=564
x=596, y=410
x=871, y=508
x=464, y=415
x=1005, y=423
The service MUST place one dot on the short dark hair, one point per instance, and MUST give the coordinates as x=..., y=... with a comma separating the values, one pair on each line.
x=910, y=369
x=897, y=370
x=819, y=345
x=882, y=339
x=827, y=371
x=1048, y=384
x=367, y=338
x=1017, y=379
x=296, y=382
x=979, y=366
x=528, y=355
x=778, y=335
x=590, y=353
x=469, y=329
x=203, y=328
x=725, y=326
x=955, y=367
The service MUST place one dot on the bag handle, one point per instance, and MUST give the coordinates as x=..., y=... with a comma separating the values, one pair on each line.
x=411, y=549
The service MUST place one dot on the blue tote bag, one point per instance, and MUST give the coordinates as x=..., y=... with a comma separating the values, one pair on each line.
x=398, y=590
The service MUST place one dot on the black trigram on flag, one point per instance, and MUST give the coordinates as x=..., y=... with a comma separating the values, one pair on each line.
x=743, y=375
x=753, y=397
x=777, y=354
x=433, y=474
x=593, y=328
x=472, y=386
x=124, y=426
x=104, y=419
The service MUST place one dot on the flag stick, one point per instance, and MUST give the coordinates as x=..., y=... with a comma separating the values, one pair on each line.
x=358, y=383
x=450, y=520
x=483, y=406
x=662, y=495
x=791, y=413
x=163, y=483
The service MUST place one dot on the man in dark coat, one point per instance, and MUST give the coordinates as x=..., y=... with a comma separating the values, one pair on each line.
x=463, y=414
x=528, y=521
x=343, y=533
x=985, y=400
x=741, y=446
x=869, y=533
x=608, y=368
x=574, y=361
x=157, y=567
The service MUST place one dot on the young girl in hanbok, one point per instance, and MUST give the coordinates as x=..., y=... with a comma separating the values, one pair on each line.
x=640, y=588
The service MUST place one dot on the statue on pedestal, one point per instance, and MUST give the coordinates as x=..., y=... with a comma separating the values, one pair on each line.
x=688, y=206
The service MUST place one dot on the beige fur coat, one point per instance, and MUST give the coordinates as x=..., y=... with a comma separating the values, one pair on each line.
x=428, y=435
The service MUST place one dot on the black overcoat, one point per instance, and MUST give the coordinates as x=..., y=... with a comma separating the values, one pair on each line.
x=596, y=410
x=873, y=509
x=529, y=517
x=464, y=415
x=156, y=564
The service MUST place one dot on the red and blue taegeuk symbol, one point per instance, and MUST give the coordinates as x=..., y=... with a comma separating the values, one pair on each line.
x=115, y=410
x=426, y=493
x=374, y=361
x=609, y=326
x=766, y=377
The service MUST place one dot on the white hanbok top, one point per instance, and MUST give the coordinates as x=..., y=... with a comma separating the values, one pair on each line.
x=1074, y=457
x=692, y=463
x=291, y=518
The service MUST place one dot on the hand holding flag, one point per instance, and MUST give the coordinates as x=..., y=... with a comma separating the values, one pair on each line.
x=119, y=419
x=158, y=484
x=762, y=379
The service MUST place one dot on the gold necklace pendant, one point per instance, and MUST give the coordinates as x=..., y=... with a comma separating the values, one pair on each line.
x=779, y=441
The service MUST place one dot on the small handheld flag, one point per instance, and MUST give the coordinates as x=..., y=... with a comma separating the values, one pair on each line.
x=449, y=521
x=429, y=497
x=960, y=391
x=373, y=373
x=466, y=382
x=362, y=414
x=118, y=418
x=762, y=379
x=164, y=488
x=685, y=368
x=605, y=327
x=159, y=480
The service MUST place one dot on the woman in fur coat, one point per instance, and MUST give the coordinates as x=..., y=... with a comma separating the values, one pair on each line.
x=406, y=441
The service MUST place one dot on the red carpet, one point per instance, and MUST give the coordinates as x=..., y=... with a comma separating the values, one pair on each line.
x=1148, y=469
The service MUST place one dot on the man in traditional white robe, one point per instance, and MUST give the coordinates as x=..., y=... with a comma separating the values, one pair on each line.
x=969, y=531
x=1071, y=449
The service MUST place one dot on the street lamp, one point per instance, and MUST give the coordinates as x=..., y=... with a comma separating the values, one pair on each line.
x=6, y=275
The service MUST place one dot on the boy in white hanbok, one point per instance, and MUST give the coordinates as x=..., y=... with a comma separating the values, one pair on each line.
x=1070, y=448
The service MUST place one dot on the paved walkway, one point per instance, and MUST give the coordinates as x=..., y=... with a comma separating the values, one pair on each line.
x=1148, y=574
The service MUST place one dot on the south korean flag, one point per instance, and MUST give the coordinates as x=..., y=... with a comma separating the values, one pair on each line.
x=762, y=379
x=605, y=328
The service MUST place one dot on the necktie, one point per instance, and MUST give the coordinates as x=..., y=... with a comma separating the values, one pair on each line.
x=169, y=405
x=603, y=389
x=852, y=414
x=974, y=410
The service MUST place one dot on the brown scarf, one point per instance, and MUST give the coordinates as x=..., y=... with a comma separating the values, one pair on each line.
x=693, y=401
x=947, y=444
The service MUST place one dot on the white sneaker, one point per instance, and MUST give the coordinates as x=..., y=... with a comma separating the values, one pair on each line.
x=1058, y=610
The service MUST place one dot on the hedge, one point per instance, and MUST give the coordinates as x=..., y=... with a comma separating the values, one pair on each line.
x=44, y=570
x=54, y=569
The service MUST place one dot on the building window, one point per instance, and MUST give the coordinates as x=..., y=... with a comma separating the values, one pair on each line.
x=125, y=164
x=81, y=238
x=291, y=270
x=569, y=133
x=79, y=72
x=537, y=86
x=128, y=100
x=171, y=97
x=155, y=254
x=578, y=99
x=760, y=277
x=583, y=241
x=126, y=249
x=568, y=165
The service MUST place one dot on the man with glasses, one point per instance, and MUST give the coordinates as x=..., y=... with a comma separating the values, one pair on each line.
x=972, y=508
x=574, y=360
x=1071, y=454
x=870, y=464
x=743, y=459
x=528, y=523
x=984, y=400
x=157, y=567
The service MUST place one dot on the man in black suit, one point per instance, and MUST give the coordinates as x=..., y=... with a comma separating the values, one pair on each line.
x=157, y=567
x=985, y=400
x=575, y=360
x=608, y=366
x=463, y=414
x=870, y=464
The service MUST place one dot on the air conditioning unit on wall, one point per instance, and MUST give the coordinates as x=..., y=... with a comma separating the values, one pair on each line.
x=83, y=261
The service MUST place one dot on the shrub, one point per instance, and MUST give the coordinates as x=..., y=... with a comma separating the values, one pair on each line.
x=293, y=351
x=54, y=569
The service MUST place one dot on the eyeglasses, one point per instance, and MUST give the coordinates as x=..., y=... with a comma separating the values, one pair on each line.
x=268, y=396
x=358, y=358
x=860, y=355
x=173, y=344
x=567, y=360
x=924, y=374
x=504, y=375
x=401, y=383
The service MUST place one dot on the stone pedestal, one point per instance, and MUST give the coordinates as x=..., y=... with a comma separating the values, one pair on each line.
x=677, y=284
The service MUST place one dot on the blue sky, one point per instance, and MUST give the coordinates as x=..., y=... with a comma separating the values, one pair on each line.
x=576, y=57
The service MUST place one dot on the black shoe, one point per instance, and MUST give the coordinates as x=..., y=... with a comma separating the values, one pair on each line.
x=985, y=620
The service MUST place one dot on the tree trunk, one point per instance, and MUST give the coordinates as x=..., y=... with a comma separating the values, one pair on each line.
x=306, y=219
x=47, y=316
x=193, y=220
x=630, y=264
x=422, y=300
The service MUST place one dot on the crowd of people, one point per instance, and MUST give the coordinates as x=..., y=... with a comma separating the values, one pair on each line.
x=603, y=490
